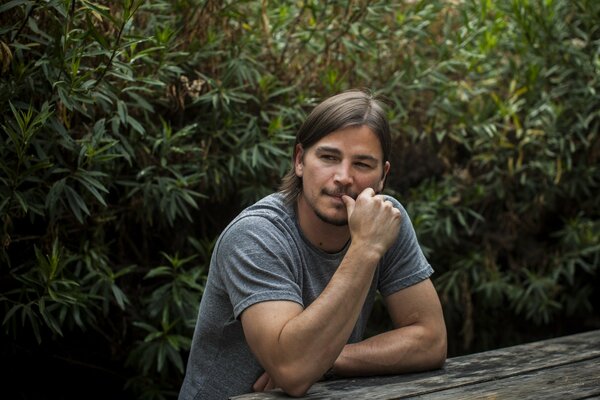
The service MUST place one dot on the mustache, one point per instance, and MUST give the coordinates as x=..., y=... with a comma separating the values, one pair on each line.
x=339, y=192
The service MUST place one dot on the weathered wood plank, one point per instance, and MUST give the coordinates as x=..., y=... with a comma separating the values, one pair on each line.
x=459, y=371
x=579, y=380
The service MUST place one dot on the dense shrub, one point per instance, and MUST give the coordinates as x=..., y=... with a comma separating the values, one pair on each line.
x=131, y=133
x=512, y=222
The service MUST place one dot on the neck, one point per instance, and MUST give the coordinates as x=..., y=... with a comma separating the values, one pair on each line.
x=328, y=237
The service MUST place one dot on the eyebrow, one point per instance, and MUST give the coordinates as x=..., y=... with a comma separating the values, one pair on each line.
x=333, y=150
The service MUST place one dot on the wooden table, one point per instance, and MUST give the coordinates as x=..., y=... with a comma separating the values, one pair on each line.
x=561, y=368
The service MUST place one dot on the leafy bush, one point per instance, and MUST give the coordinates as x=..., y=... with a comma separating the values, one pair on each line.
x=132, y=132
x=513, y=220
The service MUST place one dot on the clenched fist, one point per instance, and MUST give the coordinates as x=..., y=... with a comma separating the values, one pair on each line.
x=373, y=221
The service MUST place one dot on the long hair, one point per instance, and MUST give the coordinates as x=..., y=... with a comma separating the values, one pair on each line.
x=350, y=108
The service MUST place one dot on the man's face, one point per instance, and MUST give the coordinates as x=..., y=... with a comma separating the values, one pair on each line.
x=346, y=161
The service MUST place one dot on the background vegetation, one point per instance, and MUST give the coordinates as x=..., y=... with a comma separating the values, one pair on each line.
x=132, y=132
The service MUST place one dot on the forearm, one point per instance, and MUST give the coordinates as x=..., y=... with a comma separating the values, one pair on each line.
x=311, y=342
x=407, y=349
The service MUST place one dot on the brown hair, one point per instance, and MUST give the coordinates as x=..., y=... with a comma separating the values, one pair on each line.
x=350, y=108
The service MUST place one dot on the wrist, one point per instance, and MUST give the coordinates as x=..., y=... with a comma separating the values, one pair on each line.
x=370, y=252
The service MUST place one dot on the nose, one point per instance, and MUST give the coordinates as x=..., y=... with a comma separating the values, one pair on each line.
x=343, y=175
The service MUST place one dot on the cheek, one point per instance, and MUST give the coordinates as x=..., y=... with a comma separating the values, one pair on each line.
x=373, y=181
x=316, y=178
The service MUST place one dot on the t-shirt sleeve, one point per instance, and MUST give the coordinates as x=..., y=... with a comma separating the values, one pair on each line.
x=254, y=261
x=404, y=264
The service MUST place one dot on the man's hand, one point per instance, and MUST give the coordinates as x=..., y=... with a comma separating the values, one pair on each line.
x=373, y=221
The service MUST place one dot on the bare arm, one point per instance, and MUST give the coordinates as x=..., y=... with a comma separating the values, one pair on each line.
x=417, y=343
x=297, y=346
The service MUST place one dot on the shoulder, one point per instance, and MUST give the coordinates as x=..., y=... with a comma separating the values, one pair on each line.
x=269, y=210
x=272, y=206
x=266, y=219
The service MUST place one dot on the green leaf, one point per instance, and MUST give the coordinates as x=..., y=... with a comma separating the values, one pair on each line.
x=76, y=203
x=159, y=271
x=92, y=185
x=174, y=356
x=17, y=196
x=161, y=357
x=122, y=109
x=135, y=125
x=15, y=3
x=120, y=296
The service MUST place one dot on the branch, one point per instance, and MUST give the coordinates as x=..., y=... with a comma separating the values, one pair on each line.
x=18, y=32
x=116, y=47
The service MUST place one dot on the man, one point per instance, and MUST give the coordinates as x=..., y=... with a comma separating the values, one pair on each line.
x=293, y=278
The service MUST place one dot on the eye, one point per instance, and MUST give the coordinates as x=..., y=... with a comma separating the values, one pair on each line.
x=328, y=157
x=362, y=165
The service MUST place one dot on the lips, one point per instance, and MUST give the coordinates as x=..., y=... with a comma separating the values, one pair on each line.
x=337, y=197
x=338, y=194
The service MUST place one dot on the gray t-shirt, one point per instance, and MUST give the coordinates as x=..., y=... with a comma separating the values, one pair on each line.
x=262, y=255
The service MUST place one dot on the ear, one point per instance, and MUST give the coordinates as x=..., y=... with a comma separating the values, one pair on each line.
x=299, y=160
x=386, y=171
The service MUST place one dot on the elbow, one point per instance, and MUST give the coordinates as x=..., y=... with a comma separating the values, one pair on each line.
x=439, y=351
x=294, y=381
x=443, y=356
x=438, y=360
x=295, y=387
x=296, y=390
x=434, y=350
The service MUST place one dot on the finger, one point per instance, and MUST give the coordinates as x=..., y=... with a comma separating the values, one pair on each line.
x=389, y=205
x=370, y=192
x=349, y=203
x=270, y=385
x=261, y=383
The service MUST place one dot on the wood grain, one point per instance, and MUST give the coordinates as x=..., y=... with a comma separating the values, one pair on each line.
x=571, y=357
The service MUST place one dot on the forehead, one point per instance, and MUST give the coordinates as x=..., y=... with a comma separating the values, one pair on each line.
x=352, y=141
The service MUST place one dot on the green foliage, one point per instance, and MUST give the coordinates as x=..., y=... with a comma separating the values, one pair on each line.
x=131, y=133
x=514, y=119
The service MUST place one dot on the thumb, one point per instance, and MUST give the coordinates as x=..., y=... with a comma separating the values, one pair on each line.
x=349, y=203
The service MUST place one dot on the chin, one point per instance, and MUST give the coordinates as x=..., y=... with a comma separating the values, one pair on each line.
x=336, y=220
